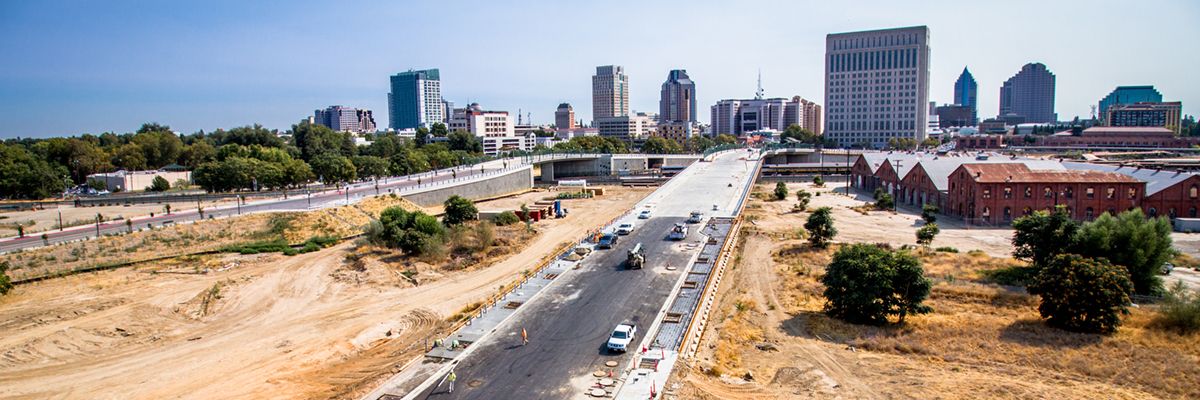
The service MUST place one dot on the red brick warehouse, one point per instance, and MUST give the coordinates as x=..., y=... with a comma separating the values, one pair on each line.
x=995, y=194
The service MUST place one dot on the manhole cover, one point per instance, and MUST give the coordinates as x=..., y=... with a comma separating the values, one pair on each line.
x=670, y=268
x=475, y=383
x=599, y=374
x=598, y=392
x=610, y=364
x=606, y=382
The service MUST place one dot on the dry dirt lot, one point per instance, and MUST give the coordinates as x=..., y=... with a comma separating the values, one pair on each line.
x=770, y=340
x=47, y=219
x=315, y=325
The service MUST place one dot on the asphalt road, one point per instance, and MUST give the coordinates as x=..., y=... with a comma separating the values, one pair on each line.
x=569, y=324
x=357, y=191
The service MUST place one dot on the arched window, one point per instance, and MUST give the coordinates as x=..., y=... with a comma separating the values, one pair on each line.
x=1193, y=192
x=1068, y=193
x=1007, y=213
x=1112, y=211
x=1091, y=192
x=1153, y=212
x=1089, y=213
x=1027, y=211
x=1192, y=212
x=1110, y=193
x=1048, y=193
x=1008, y=192
x=1028, y=192
x=1132, y=193
x=987, y=212
x=1171, y=213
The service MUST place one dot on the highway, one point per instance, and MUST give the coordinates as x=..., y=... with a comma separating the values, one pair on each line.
x=357, y=191
x=568, y=324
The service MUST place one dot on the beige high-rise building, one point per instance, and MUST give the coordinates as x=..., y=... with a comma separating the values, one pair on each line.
x=564, y=117
x=610, y=92
x=810, y=115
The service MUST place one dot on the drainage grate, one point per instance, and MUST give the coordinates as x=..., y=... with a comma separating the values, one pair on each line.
x=550, y=276
x=673, y=318
x=513, y=304
x=690, y=285
x=701, y=260
x=648, y=363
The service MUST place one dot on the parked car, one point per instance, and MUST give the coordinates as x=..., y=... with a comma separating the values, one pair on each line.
x=1167, y=268
x=607, y=241
x=621, y=337
x=695, y=218
x=625, y=229
x=645, y=214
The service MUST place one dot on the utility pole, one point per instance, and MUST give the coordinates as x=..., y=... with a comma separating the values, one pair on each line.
x=239, y=204
x=97, y=225
x=60, y=226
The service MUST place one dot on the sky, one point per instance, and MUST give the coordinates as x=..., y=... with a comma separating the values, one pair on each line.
x=74, y=67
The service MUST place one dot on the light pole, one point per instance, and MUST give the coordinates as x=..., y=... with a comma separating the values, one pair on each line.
x=60, y=227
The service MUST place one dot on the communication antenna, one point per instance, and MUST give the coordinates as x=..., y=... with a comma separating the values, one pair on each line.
x=759, y=94
x=1093, y=111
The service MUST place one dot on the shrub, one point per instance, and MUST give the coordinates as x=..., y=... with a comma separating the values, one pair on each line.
x=781, y=191
x=1011, y=276
x=818, y=181
x=1180, y=309
x=885, y=202
x=865, y=284
x=925, y=234
x=1041, y=236
x=1142, y=245
x=946, y=249
x=159, y=184
x=878, y=193
x=1081, y=294
x=506, y=218
x=820, y=227
x=485, y=235
x=459, y=210
x=5, y=282
x=803, y=197
x=929, y=213
x=408, y=231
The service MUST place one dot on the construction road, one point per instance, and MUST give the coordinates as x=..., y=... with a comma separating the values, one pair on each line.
x=569, y=323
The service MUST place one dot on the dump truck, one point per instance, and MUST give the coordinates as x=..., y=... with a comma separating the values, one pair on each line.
x=636, y=257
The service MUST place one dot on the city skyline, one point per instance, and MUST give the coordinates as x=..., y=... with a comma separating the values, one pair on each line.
x=89, y=68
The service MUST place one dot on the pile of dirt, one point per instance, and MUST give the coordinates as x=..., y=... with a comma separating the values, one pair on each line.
x=342, y=221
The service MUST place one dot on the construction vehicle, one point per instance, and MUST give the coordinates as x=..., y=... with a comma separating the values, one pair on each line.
x=636, y=257
x=679, y=232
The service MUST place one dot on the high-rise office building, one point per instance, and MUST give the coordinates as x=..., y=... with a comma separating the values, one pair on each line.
x=415, y=100
x=678, y=101
x=1029, y=94
x=628, y=127
x=1144, y=114
x=610, y=92
x=876, y=86
x=965, y=94
x=1129, y=95
x=564, y=117
x=345, y=119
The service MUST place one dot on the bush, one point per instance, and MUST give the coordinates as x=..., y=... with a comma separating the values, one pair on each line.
x=925, y=234
x=505, y=218
x=781, y=191
x=1011, y=276
x=885, y=202
x=818, y=181
x=1142, y=245
x=865, y=284
x=159, y=184
x=1041, y=236
x=408, y=231
x=929, y=213
x=1082, y=294
x=878, y=193
x=803, y=197
x=5, y=282
x=459, y=210
x=820, y=227
x=946, y=249
x=1180, y=309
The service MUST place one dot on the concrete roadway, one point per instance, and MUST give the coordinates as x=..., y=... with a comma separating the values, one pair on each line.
x=569, y=324
x=315, y=200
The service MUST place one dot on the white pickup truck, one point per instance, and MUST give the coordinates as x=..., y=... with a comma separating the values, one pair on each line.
x=621, y=337
x=679, y=232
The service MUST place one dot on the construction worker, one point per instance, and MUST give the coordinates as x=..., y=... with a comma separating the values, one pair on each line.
x=451, y=379
x=524, y=337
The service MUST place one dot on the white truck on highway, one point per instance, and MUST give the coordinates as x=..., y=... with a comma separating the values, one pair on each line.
x=621, y=337
x=679, y=232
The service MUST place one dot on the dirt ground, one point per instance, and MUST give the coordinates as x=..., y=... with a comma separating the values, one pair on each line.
x=253, y=326
x=47, y=219
x=770, y=339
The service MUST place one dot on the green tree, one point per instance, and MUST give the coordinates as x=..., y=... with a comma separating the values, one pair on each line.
x=25, y=176
x=314, y=140
x=725, y=138
x=865, y=284
x=698, y=144
x=781, y=191
x=333, y=168
x=159, y=184
x=408, y=231
x=408, y=161
x=197, y=153
x=1141, y=245
x=885, y=202
x=367, y=167
x=795, y=132
x=818, y=181
x=929, y=213
x=459, y=210
x=926, y=233
x=1081, y=294
x=422, y=136
x=130, y=157
x=1041, y=236
x=438, y=129
x=660, y=145
x=5, y=283
x=803, y=197
x=1180, y=309
x=465, y=141
x=160, y=148
x=820, y=227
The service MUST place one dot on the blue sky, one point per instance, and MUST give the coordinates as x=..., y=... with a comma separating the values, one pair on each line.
x=72, y=67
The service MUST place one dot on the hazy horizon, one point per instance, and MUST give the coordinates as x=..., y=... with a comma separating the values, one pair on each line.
x=91, y=67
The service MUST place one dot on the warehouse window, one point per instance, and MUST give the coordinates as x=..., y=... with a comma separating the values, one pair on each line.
x=1091, y=192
